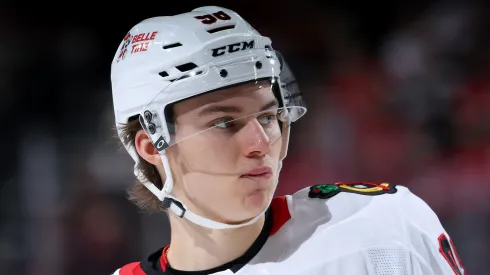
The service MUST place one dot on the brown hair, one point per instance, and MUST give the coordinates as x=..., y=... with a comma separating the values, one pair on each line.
x=137, y=192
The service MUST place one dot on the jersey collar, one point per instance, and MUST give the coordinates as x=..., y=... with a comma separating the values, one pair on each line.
x=275, y=217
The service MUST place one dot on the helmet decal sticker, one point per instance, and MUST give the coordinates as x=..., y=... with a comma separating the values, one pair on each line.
x=139, y=43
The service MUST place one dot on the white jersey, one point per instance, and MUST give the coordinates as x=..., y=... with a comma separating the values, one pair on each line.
x=345, y=228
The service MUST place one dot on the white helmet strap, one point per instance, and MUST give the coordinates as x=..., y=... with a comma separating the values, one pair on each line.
x=181, y=211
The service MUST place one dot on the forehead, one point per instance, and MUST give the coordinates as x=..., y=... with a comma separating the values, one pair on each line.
x=251, y=94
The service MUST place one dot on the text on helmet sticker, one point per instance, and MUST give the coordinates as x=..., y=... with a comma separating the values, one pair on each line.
x=135, y=43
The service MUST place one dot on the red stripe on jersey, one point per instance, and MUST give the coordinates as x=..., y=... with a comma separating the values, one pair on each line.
x=280, y=213
x=132, y=269
x=163, y=259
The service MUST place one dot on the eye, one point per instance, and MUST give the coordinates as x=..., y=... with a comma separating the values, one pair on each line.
x=223, y=123
x=267, y=119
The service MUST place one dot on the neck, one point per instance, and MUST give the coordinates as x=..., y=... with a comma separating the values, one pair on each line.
x=194, y=248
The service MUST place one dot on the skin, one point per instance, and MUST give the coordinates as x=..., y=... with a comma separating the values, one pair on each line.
x=210, y=171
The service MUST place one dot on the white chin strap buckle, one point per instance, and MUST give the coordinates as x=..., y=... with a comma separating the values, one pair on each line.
x=178, y=208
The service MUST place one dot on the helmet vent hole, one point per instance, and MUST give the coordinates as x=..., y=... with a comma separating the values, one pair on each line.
x=163, y=74
x=223, y=73
x=223, y=28
x=186, y=67
x=174, y=45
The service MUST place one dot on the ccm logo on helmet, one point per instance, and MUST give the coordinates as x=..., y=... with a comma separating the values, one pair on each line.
x=161, y=144
x=235, y=47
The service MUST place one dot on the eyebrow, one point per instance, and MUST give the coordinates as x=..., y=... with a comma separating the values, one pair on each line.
x=233, y=109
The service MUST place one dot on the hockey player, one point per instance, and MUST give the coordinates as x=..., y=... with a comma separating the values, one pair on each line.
x=204, y=105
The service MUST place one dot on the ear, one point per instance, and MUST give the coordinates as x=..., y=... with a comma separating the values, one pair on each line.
x=146, y=149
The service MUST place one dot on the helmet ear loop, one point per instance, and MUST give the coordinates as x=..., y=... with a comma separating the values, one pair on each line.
x=163, y=194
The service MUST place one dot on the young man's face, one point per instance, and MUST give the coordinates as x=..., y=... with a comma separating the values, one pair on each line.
x=227, y=173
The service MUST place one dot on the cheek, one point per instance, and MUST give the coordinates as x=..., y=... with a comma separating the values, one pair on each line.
x=211, y=193
x=207, y=157
x=205, y=174
x=203, y=186
x=206, y=171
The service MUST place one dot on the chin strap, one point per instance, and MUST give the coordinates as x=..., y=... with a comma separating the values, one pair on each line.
x=176, y=206
x=183, y=212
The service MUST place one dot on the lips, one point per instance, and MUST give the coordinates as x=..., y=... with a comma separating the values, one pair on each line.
x=259, y=172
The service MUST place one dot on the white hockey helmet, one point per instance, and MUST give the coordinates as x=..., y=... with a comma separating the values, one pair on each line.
x=163, y=60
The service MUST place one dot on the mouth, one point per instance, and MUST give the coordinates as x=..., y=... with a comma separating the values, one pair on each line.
x=261, y=172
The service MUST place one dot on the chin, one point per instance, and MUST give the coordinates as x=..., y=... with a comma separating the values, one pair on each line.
x=256, y=202
x=252, y=205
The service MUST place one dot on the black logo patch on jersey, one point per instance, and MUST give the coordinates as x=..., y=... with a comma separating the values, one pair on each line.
x=325, y=191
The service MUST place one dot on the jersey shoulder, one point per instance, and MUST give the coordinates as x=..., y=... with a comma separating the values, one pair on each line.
x=378, y=202
x=344, y=199
x=378, y=222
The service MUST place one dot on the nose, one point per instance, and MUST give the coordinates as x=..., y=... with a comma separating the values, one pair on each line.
x=254, y=140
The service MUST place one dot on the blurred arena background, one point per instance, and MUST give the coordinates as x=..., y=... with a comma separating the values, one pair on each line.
x=397, y=92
